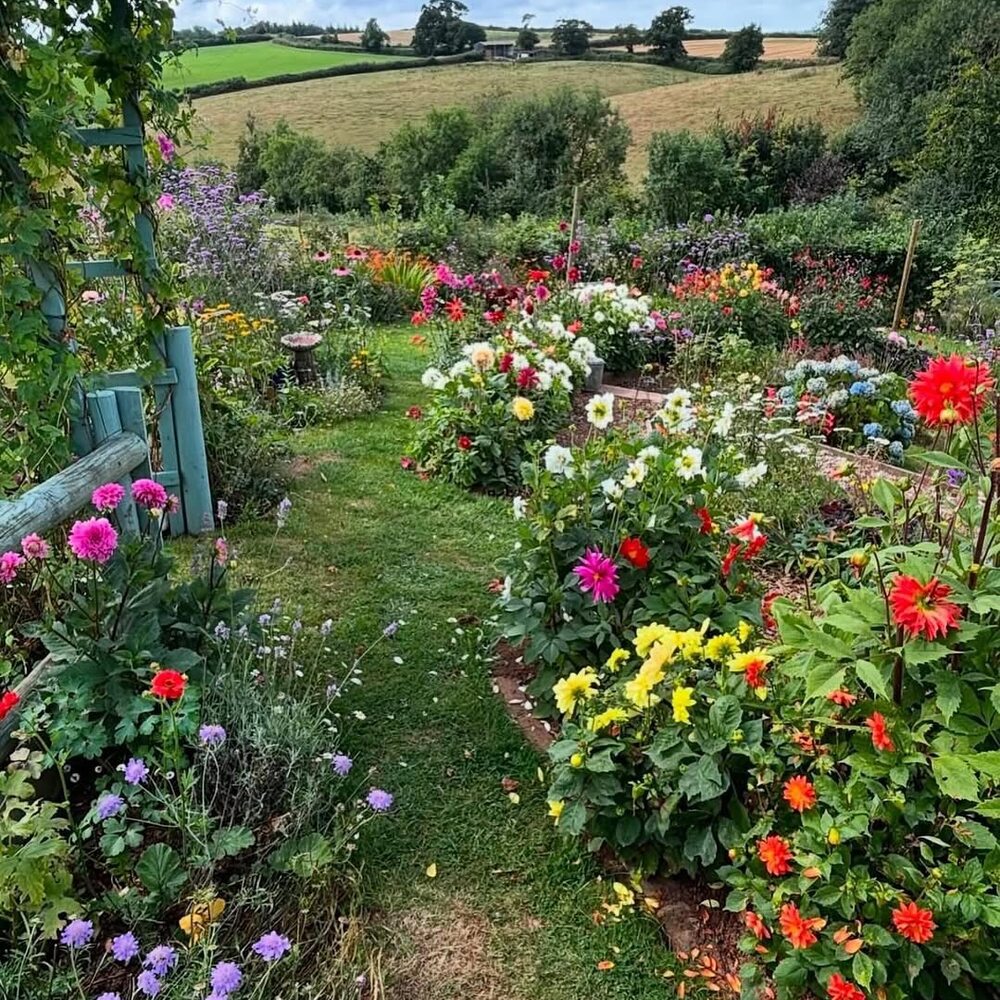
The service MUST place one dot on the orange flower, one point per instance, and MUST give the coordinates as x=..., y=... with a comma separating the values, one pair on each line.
x=881, y=739
x=951, y=390
x=635, y=552
x=455, y=310
x=800, y=793
x=921, y=608
x=839, y=988
x=799, y=930
x=168, y=684
x=759, y=928
x=843, y=698
x=775, y=853
x=913, y=923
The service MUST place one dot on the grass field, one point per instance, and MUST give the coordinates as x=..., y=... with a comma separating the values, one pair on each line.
x=508, y=914
x=774, y=48
x=253, y=61
x=363, y=110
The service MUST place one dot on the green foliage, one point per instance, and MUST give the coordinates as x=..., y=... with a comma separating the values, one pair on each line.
x=836, y=26
x=744, y=49
x=373, y=38
x=628, y=35
x=666, y=33
x=688, y=175
x=571, y=36
x=440, y=28
x=527, y=39
x=964, y=294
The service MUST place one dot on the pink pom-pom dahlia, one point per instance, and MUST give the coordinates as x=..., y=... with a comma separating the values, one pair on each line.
x=107, y=497
x=149, y=493
x=35, y=547
x=10, y=563
x=93, y=540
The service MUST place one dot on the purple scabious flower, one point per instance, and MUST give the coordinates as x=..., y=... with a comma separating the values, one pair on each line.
x=955, y=477
x=109, y=805
x=379, y=800
x=136, y=771
x=272, y=946
x=284, y=509
x=77, y=934
x=125, y=947
x=341, y=764
x=390, y=630
x=161, y=959
x=212, y=735
x=226, y=977
x=148, y=982
x=110, y=996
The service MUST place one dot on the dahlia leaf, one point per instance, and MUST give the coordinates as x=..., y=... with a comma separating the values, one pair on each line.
x=941, y=459
x=956, y=778
x=949, y=694
x=872, y=677
x=824, y=678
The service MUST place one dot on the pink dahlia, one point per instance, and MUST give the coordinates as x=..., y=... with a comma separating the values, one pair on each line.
x=35, y=547
x=598, y=575
x=94, y=540
x=107, y=497
x=149, y=493
x=10, y=563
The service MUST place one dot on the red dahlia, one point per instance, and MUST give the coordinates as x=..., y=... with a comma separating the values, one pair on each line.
x=756, y=925
x=707, y=524
x=839, y=988
x=635, y=552
x=455, y=310
x=921, y=608
x=799, y=793
x=8, y=703
x=464, y=442
x=775, y=853
x=950, y=390
x=168, y=684
x=913, y=923
x=881, y=739
x=799, y=930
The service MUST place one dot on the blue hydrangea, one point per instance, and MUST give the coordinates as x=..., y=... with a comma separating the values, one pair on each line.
x=895, y=450
x=902, y=407
x=817, y=386
x=872, y=430
x=786, y=394
x=863, y=389
x=837, y=399
x=906, y=432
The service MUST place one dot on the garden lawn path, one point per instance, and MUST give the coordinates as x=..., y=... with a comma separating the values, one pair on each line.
x=508, y=915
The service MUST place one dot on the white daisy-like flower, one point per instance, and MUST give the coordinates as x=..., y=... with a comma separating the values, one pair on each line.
x=749, y=478
x=634, y=474
x=688, y=463
x=434, y=378
x=677, y=419
x=649, y=453
x=559, y=461
x=723, y=426
x=601, y=410
x=520, y=505
x=678, y=399
x=481, y=354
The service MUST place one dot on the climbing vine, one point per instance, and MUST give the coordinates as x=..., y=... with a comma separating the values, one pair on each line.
x=63, y=67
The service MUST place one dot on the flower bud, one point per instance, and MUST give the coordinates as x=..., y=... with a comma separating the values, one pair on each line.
x=576, y=760
x=833, y=837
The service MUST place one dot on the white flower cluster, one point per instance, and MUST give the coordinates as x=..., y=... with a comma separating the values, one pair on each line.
x=615, y=308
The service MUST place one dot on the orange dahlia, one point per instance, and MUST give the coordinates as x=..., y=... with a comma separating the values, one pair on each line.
x=759, y=928
x=842, y=698
x=775, y=853
x=881, y=739
x=800, y=793
x=799, y=930
x=950, y=390
x=921, y=608
x=839, y=988
x=913, y=923
x=635, y=552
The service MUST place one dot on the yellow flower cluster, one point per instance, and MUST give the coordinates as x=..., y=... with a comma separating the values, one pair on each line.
x=742, y=279
x=232, y=323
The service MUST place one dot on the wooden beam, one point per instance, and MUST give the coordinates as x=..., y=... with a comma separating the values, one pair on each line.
x=49, y=504
x=101, y=268
x=122, y=136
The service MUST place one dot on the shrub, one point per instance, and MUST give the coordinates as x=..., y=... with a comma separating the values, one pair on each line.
x=688, y=175
x=744, y=49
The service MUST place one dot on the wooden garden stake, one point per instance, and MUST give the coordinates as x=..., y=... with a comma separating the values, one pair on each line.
x=574, y=221
x=911, y=249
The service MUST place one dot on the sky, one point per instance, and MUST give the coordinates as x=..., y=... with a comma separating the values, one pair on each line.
x=771, y=15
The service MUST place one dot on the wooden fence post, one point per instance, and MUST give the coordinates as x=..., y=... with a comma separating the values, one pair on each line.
x=189, y=435
x=911, y=249
x=574, y=221
x=106, y=423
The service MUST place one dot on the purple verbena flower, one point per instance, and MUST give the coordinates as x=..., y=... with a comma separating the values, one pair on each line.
x=212, y=735
x=77, y=933
x=108, y=805
x=125, y=947
x=341, y=764
x=955, y=477
x=379, y=800
x=272, y=946
x=136, y=771
x=226, y=977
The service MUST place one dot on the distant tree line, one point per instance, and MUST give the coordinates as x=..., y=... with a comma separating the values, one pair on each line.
x=199, y=33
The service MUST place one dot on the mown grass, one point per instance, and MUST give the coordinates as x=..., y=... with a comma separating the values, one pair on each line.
x=364, y=110
x=253, y=61
x=508, y=916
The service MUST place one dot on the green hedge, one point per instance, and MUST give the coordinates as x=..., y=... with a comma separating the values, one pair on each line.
x=295, y=42
x=208, y=43
x=236, y=83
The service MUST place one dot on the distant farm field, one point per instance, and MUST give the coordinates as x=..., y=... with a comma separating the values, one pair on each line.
x=254, y=61
x=774, y=48
x=364, y=110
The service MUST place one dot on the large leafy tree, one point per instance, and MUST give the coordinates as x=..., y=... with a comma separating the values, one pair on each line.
x=744, y=49
x=438, y=26
x=627, y=35
x=373, y=38
x=666, y=33
x=836, y=26
x=571, y=37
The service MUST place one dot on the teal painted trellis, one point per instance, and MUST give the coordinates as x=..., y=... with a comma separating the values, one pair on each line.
x=108, y=404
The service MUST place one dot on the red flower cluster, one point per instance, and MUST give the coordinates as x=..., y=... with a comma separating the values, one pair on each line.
x=707, y=524
x=842, y=698
x=921, y=608
x=800, y=931
x=950, y=391
x=168, y=684
x=799, y=793
x=776, y=854
x=750, y=540
x=8, y=703
x=464, y=442
x=414, y=413
x=881, y=739
x=756, y=925
x=635, y=552
x=839, y=988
